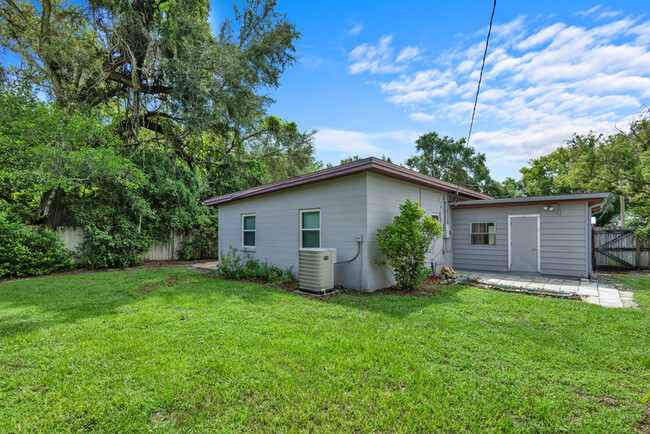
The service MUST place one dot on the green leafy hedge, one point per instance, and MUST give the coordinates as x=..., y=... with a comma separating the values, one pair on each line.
x=119, y=247
x=31, y=252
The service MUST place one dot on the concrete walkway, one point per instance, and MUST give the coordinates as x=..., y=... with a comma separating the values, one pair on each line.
x=590, y=291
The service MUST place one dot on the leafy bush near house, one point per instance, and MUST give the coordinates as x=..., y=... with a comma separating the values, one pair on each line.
x=204, y=243
x=234, y=266
x=405, y=242
x=31, y=252
x=106, y=248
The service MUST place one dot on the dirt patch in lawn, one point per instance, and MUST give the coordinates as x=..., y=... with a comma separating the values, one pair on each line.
x=426, y=289
x=289, y=287
x=644, y=425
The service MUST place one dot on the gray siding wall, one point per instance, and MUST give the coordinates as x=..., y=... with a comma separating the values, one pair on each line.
x=343, y=209
x=385, y=195
x=564, y=238
x=350, y=206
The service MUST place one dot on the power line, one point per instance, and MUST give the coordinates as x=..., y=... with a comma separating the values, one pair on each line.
x=480, y=78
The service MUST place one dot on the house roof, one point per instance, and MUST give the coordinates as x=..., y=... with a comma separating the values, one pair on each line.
x=591, y=198
x=372, y=164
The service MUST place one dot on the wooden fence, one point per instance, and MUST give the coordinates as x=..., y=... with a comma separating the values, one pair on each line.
x=619, y=249
x=166, y=251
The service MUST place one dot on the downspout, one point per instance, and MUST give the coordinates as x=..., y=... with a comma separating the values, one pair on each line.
x=589, y=243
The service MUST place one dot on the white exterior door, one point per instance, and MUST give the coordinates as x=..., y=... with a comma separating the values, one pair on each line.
x=524, y=243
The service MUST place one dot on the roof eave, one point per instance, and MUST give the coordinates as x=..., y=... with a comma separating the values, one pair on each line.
x=372, y=165
x=595, y=199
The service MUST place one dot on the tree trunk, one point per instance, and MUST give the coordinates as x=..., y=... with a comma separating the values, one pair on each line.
x=52, y=209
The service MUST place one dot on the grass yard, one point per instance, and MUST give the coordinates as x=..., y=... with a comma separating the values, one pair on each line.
x=168, y=349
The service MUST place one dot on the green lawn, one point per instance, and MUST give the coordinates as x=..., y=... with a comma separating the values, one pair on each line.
x=168, y=349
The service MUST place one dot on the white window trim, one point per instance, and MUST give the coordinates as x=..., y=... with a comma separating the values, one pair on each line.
x=320, y=226
x=483, y=245
x=539, y=240
x=245, y=247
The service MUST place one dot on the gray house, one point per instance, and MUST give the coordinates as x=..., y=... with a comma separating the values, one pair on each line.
x=342, y=207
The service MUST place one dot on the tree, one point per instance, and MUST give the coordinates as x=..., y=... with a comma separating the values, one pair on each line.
x=452, y=161
x=47, y=154
x=541, y=177
x=155, y=77
x=405, y=243
x=158, y=62
x=618, y=163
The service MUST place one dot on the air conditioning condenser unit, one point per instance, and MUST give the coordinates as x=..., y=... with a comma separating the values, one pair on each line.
x=316, y=270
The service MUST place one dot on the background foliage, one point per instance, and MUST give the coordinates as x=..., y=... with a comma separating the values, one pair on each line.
x=28, y=252
x=123, y=116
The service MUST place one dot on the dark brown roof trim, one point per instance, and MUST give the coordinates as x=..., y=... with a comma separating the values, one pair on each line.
x=590, y=198
x=371, y=164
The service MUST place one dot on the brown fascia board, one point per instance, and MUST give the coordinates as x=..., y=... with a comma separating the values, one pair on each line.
x=371, y=164
x=590, y=198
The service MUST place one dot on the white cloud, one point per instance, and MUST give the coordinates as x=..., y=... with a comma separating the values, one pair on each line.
x=361, y=143
x=379, y=59
x=328, y=139
x=608, y=14
x=407, y=54
x=423, y=117
x=355, y=29
x=540, y=86
x=588, y=11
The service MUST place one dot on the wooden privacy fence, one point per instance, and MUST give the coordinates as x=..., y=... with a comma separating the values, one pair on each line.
x=169, y=250
x=619, y=249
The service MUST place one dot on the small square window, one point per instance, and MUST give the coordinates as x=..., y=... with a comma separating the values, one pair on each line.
x=483, y=234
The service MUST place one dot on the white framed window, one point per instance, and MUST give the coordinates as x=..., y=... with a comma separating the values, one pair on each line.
x=248, y=231
x=483, y=233
x=436, y=217
x=309, y=228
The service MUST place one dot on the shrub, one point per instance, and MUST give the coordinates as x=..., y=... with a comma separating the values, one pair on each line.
x=204, y=243
x=405, y=243
x=103, y=248
x=234, y=266
x=31, y=252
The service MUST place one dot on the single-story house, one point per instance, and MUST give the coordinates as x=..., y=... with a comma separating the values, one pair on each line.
x=343, y=206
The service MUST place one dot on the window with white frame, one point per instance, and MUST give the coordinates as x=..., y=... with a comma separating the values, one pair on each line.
x=248, y=225
x=310, y=228
x=483, y=234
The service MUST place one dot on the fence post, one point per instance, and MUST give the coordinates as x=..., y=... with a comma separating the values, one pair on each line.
x=637, y=244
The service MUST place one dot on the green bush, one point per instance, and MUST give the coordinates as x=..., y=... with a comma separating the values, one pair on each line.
x=31, y=252
x=204, y=243
x=405, y=243
x=234, y=266
x=104, y=248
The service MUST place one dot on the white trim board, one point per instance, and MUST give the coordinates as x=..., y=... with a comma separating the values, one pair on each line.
x=320, y=226
x=539, y=240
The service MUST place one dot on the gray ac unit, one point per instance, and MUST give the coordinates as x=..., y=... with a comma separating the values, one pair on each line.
x=316, y=269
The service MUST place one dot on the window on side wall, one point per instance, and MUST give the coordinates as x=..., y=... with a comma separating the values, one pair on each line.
x=248, y=224
x=482, y=234
x=309, y=228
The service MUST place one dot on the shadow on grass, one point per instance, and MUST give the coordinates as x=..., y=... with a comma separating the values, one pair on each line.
x=397, y=305
x=32, y=304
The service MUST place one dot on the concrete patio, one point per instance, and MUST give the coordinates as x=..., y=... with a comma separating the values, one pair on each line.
x=590, y=291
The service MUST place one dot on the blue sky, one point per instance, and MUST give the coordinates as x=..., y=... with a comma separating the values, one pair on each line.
x=373, y=75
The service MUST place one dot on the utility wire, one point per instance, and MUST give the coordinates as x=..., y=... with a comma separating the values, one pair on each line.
x=480, y=78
